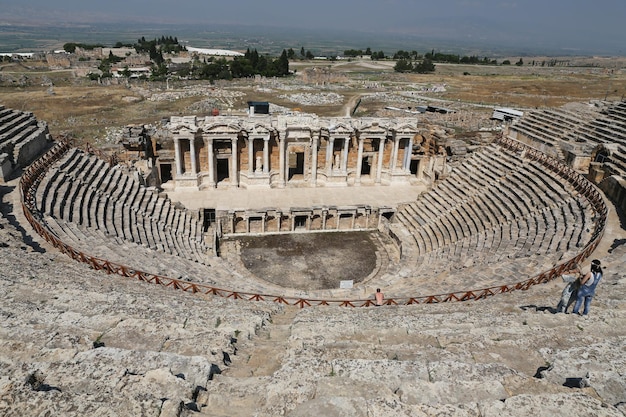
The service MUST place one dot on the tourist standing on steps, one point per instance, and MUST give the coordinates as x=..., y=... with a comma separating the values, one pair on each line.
x=379, y=297
x=588, y=286
x=570, y=292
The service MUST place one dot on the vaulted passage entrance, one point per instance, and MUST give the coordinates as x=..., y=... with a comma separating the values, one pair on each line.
x=223, y=169
x=366, y=166
x=296, y=165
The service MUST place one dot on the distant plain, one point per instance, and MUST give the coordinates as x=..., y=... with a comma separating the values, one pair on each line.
x=85, y=109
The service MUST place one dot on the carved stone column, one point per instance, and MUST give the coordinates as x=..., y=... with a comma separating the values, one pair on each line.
x=250, y=156
x=329, y=156
x=379, y=168
x=314, y=160
x=266, y=154
x=359, y=161
x=233, y=168
x=394, y=160
x=177, y=157
x=192, y=155
x=408, y=151
x=281, y=157
x=344, y=161
x=211, y=162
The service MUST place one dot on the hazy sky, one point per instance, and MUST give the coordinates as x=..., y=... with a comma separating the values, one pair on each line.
x=570, y=24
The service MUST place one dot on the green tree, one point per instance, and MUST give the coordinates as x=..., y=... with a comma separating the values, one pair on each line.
x=105, y=67
x=377, y=55
x=402, y=55
x=520, y=62
x=424, y=67
x=241, y=68
x=126, y=72
x=353, y=52
x=403, y=65
x=283, y=64
x=158, y=72
x=69, y=47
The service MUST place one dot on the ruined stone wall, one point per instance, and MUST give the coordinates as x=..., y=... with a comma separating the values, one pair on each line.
x=58, y=61
x=615, y=188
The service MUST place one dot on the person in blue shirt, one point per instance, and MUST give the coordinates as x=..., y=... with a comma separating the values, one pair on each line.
x=587, y=288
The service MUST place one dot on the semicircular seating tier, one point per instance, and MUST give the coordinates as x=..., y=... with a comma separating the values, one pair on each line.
x=497, y=218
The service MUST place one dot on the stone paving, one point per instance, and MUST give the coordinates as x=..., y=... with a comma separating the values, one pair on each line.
x=254, y=199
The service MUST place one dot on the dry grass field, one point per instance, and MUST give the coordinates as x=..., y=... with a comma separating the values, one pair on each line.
x=85, y=109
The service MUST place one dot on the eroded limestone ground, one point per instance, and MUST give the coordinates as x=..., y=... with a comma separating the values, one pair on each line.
x=310, y=261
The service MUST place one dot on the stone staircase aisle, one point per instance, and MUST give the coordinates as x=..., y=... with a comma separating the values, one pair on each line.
x=268, y=350
x=240, y=388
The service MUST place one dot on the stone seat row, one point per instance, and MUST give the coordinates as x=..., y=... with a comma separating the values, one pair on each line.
x=554, y=122
x=545, y=123
x=610, y=128
x=112, y=209
x=85, y=190
x=475, y=365
x=594, y=136
x=542, y=135
x=9, y=118
x=185, y=334
x=549, y=125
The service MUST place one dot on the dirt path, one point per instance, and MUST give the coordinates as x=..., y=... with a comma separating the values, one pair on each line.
x=347, y=108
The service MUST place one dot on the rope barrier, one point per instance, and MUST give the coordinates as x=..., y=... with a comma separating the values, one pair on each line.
x=35, y=172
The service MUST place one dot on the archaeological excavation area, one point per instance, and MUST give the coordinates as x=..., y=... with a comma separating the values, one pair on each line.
x=149, y=280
